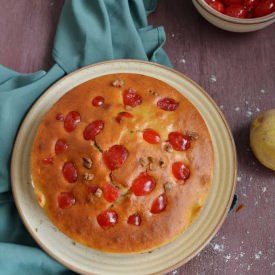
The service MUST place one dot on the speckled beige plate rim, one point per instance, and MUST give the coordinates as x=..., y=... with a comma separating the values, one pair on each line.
x=169, y=256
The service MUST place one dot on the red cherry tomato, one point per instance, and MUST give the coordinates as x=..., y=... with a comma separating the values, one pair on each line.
x=115, y=156
x=167, y=104
x=110, y=192
x=159, y=204
x=107, y=219
x=60, y=146
x=218, y=6
x=98, y=101
x=180, y=171
x=250, y=3
x=93, y=188
x=71, y=121
x=122, y=115
x=131, y=98
x=69, y=172
x=179, y=141
x=134, y=219
x=264, y=7
x=237, y=11
x=143, y=185
x=65, y=200
x=151, y=136
x=233, y=2
x=93, y=129
x=47, y=160
x=59, y=117
x=211, y=1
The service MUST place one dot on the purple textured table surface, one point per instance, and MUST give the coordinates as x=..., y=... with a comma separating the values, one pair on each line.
x=237, y=70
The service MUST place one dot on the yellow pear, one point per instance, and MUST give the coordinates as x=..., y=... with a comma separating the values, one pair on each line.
x=262, y=138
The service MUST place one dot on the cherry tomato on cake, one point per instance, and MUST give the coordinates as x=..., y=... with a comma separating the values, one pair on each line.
x=134, y=219
x=107, y=219
x=71, y=121
x=115, y=156
x=65, y=200
x=159, y=204
x=151, y=136
x=98, y=101
x=143, y=184
x=69, y=172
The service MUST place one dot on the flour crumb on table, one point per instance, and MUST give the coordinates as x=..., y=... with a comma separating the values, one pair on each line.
x=248, y=113
x=262, y=91
x=258, y=255
x=213, y=78
x=237, y=109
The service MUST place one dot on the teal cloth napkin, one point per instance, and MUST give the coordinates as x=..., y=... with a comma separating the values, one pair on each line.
x=88, y=32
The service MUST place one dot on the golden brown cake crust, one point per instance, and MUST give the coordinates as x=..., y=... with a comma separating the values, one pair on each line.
x=184, y=198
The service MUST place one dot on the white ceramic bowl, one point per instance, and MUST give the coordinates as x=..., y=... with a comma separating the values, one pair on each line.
x=85, y=260
x=230, y=23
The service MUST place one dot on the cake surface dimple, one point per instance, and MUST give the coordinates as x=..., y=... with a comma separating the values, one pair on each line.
x=122, y=163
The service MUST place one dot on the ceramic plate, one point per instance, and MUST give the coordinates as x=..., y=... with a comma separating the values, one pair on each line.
x=86, y=260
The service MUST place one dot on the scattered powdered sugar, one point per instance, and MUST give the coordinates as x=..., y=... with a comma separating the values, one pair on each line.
x=248, y=114
x=213, y=78
x=221, y=106
x=182, y=60
x=239, y=179
x=258, y=255
x=264, y=189
x=175, y=272
x=258, y=110
x=251, y=178
x=237, y=109
x=248, y=267
x=227, y=257
x=273, y=264
x=173, y=35
x=218, y=247
x=262, y=91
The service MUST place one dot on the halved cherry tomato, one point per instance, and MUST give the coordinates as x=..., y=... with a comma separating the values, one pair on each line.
x=218, y=6
x=69, y=172
x=168, y=104
x=151, y=136
x=179, y=141
x=60, y=146
x=134, y=219
x=115, y=156
x=264, y=8
x=65, y=200
x=159, y=204
x=93, y=129
x=110, y=192
x=93, y=188
x=107, y=219
x=143, y=184
x=131, y=98
x=180, y=171
x=237, y=11
x=233, y=2
x=98, y=101
x=122, y=115
x=71, y=121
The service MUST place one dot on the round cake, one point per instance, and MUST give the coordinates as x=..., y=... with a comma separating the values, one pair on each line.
x=122, y=163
